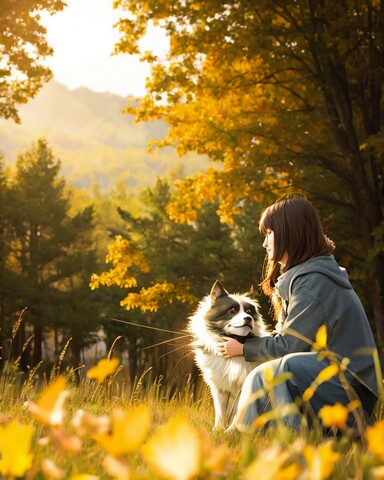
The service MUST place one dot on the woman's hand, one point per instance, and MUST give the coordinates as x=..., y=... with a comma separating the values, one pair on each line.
x=230, y=348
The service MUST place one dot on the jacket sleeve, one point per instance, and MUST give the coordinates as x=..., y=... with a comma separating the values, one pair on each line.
x=305, y=315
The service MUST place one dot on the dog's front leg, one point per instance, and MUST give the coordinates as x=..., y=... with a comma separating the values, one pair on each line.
x=220, y=403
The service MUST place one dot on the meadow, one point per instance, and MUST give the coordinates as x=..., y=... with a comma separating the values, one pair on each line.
x=94, y=425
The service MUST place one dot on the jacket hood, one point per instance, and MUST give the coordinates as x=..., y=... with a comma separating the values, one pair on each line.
x=325, y=265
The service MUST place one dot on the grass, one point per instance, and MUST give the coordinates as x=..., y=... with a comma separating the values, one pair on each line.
x=96, y=425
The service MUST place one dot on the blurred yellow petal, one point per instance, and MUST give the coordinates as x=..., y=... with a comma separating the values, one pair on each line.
x=215, y=458
x=268, y=464
x=49, y=410
x=378, y=473
x=375, y=439
x=334, y=416
x=321, y=338
x=51, y=470
x=117, y=468
x=84, y=476
x=268, y=375
x=321, y=461
x=103, y=369
x=87, y=425
x=129, y=430
x=174, y=450
x=260, y=421
x=308, y=394
x=65, y=442
x=327, y=373
x=355, y=404
x=15, y=445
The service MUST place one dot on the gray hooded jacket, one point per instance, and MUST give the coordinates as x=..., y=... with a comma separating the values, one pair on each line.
x=315, y=293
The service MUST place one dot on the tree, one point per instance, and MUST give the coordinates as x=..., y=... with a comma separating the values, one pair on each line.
x=51, y=251
x=23, y=49
x=165, y=268
x=290, y=89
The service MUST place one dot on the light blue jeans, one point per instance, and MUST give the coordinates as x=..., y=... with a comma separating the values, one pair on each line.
x=303, y=368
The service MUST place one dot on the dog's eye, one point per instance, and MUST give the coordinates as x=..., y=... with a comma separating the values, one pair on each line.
x=232, y=310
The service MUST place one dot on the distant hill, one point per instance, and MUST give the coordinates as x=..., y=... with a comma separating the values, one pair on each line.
x=94, y=140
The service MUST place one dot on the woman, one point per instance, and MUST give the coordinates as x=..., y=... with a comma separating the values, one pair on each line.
x=307, y=289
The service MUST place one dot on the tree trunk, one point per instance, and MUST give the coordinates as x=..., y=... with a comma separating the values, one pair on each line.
x=38, y=345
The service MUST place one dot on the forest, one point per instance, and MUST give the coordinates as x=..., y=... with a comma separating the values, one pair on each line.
x=282, y=98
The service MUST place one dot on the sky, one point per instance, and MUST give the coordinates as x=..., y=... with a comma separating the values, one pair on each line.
x=83, y=38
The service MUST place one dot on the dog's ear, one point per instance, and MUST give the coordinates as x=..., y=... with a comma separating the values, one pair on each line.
x=217, y=291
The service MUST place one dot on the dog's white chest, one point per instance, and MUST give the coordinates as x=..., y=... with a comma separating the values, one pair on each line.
x=227, y=374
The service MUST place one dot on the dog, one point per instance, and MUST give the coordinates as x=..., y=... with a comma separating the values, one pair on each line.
x=220, y=315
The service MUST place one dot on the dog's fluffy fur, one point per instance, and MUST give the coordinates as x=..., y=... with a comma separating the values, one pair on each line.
x=221, y=315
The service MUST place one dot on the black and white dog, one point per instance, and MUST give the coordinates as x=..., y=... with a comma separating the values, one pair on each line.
x=221, y=315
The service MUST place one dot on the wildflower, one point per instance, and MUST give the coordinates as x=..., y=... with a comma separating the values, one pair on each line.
x=129, y=430
x=117, y=467
x=375, y=439
x=270, y=464
x=103, y=369
x=63, y=441
x=15, y=444
x=334, y=416
x=174, y=450
x=215, y=458
x=84, y=476
x=51, y=470
x=88, y=425
x=378, y=473
x=321, y=460
x=49, y=409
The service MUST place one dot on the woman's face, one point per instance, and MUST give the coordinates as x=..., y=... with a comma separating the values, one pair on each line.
x=269, y=243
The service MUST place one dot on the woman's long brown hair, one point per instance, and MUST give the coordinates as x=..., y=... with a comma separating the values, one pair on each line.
x=297, y=232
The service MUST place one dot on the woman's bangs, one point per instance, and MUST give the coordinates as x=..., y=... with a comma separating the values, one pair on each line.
x=266, y=223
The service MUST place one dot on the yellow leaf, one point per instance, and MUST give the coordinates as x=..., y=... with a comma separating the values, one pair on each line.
x=129, y=430
x=103, y=369
x=49, y=409
x=174, y=450
x=15, y=445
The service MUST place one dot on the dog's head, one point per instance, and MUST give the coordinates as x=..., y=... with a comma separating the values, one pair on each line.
x=222, y=314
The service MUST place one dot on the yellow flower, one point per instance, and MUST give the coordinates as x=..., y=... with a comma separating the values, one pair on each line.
x=269, y=465
x=375, y=439
x=174, y=450
x=334, y=415
x=129, y=430
x=215, y=458
x=89, y=425
x=51, y=470
x=49, y=410
x=84, y=476
x=117, y=468
x=103, y=369
x=321, y=338
x=15, y=445
x=321, y=460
